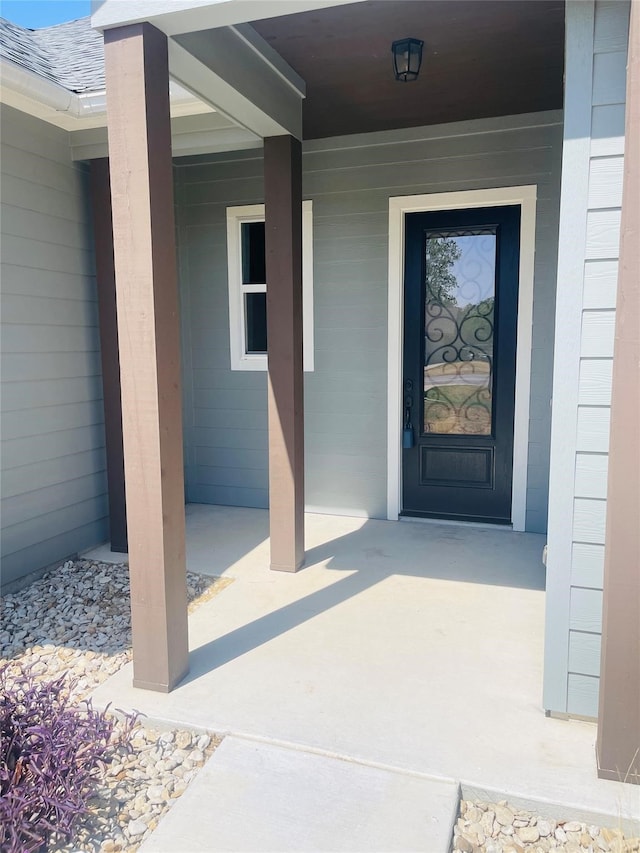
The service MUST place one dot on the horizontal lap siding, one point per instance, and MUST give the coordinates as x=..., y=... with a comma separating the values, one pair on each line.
x=225, y=411
x=54, y=499
x=596, y=353
x=350, y=182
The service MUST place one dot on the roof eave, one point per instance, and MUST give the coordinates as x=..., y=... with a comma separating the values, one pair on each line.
x=194, y=15
x=42, y=98
x=29, y=92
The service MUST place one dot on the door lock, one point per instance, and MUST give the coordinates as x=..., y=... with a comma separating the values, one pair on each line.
x=407, y=431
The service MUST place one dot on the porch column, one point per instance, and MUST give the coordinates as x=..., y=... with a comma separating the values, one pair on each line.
x=618, y=744
x=108, y=320
x=137, y=78
x=283, y=237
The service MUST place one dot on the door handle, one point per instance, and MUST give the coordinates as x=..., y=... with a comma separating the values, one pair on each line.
x=408, y=393
x=407, y=431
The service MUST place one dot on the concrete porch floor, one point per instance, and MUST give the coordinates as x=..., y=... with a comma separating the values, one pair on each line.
x=411, y=647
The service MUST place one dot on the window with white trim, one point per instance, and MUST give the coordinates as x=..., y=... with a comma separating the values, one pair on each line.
x=248, y=287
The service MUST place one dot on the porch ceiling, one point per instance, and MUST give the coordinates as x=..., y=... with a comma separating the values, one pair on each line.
x=481, y=59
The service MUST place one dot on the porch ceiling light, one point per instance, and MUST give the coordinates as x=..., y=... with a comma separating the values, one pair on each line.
x=407, y=59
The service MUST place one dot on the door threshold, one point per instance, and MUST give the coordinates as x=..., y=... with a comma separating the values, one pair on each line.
x=455, y=522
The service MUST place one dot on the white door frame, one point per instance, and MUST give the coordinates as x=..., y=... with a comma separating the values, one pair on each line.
x=524, y=196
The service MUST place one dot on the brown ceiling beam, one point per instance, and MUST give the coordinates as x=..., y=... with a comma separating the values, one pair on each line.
x=137, y=78
x=618, y=744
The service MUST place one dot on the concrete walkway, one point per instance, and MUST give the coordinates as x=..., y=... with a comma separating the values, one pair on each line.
x=411, y=649
x=260, y=797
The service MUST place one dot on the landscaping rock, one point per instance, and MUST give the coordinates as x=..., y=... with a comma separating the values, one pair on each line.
x=500, y=828
x=528, y=834
x=75, y=621
x=504, y=815
x=461, y=843
x=545, y=828
x=136, y=827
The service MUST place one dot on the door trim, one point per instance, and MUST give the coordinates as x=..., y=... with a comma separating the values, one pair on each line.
x=525, y=196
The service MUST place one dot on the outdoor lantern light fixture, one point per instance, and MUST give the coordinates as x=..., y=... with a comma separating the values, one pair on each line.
x=407, y=58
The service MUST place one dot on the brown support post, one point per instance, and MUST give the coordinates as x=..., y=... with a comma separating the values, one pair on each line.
x=283, y=217
x=618, y=744
x=137, y=76
x=108, y=319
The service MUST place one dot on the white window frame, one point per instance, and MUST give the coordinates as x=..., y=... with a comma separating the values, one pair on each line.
x=240, y=358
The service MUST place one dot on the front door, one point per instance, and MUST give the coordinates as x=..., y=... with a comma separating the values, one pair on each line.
x=460, y=318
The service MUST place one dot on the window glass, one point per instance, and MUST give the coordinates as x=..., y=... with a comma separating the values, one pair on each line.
x=256, y=322
x=253, y=257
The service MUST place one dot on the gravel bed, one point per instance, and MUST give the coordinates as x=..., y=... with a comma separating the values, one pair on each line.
x=503, y=828
x=76, y=620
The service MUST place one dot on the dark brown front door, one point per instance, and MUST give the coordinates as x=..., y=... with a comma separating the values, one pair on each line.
x=460, y=318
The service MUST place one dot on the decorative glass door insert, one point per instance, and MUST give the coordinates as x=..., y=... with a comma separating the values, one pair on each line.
x=460, y=278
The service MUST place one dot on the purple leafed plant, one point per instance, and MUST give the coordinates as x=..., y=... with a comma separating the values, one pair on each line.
x=51, y=751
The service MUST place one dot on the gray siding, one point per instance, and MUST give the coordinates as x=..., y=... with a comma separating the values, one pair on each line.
x=611, y=26
x=349, y=181
x=53, y=483
x=578, y=501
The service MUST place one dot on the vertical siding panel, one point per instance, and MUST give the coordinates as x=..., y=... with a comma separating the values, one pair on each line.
x=584, y=653
x=589, y=520
x=597, y=334
x=595, y=382
x=583, y=695
x=603, y=234
x=605, y=182
x=609, y=77
x=591, y=476
x=611, y=29
x=587, y=565
x=600, y=284
x=588, y=445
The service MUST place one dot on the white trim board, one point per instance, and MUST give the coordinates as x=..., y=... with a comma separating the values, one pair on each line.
x=399, y=206
x=572, y=251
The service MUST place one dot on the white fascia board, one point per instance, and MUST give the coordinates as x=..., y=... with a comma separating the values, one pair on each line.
x=30, y=93
x=223, y=70
x=26, y=91
x=181, y=103
x=174, y=17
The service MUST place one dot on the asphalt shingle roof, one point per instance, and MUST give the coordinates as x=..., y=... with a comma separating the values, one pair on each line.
x=70, y=54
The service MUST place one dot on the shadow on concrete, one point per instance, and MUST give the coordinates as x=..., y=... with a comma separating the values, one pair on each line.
x=469, y=555
x=379, y=550
x=233, y=645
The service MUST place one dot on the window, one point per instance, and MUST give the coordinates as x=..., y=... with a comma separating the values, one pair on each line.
x=248, y=288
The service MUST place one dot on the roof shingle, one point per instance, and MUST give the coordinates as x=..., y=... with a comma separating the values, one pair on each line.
x=70, y=54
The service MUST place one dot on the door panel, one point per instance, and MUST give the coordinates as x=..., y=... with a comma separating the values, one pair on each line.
x=460, y=318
